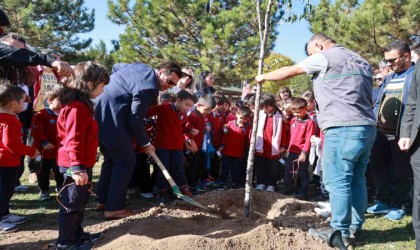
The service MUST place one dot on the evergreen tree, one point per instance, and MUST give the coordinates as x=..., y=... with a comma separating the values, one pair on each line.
x=51, y=24
x=367, y=26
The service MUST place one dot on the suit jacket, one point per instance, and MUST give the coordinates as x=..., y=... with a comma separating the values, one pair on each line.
x=120, y=110
x=411, y=118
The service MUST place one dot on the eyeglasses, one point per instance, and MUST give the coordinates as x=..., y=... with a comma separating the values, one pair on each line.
x=186, y=75
x=391, y=61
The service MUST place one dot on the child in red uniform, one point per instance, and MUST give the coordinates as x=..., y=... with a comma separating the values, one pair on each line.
x=271, y=142
x=301, y=129
x=76, y=153
x=44, y=132
x=235, y=141
x=197, y=172
x=171, y=125
x=12, y=101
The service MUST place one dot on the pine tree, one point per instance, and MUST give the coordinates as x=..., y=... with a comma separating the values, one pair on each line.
x=52, y=24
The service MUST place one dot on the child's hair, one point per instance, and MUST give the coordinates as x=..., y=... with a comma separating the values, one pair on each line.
x=171, y=67
x=9, y=93
x=87, y=76
x=244, y=110
x=226, y=101
x=284, y=89
x=207, y=100
x=55, y=92
x=308, y=95
x=200, y=83
x=268, y=100
x=186, y=95
x=298, y=103
x=168, y=97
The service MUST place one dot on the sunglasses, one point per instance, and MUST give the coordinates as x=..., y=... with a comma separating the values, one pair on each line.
x=391, y=61
x=186, y=75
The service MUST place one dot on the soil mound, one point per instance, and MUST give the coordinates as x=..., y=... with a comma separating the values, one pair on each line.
x=275, y=222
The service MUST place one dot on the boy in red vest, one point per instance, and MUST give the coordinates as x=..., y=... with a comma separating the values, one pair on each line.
x=44, y=132
x=171, y=125
x=235, y=141
x=301, y=129
x=12, y=101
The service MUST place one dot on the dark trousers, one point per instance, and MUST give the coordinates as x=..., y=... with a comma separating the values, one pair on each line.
x=415, y=164
x=266, y=170
x=391, y=171
x=296, y=169
x=43, y=175
x=141, y=176
x=215, y=170
x=173, y=160
x=8, y=177
x=197, y=168
x=235, y=167
x=116, y=172
x=70, y=220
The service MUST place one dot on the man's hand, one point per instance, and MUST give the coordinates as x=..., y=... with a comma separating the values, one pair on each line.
x=259, y=79
x=63, y=68
x=404, y=143
x=149, y=149
x=49, y=146
x=80, y=178
x=302, y=158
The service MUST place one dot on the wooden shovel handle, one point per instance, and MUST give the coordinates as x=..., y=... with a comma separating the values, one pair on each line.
x=164, y=171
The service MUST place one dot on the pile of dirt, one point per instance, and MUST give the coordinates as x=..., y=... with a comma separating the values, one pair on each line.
x=275, y=222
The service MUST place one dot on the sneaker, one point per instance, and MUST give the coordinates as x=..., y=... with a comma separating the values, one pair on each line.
x=33, y=179
x=395, y=214
x=81, y=246
x=222, y=188
x=303, y=197
x=260, y=187
x=131, y=191
x=7, y=228
x=270, y=189
x=45, y=196
x=147, y=195
x=88, y=237
x=185, y=190
x=379, y=208
x=14, y=219
x=21, y=188
x=200, y=188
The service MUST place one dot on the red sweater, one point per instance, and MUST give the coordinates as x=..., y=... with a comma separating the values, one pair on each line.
x=268, y=137
x=197, y=121
x=236, y=141
x=11, y=145
x=300, y=135
x=216, y=122
x=44, y=131
x=77, y=134
x=171, y=125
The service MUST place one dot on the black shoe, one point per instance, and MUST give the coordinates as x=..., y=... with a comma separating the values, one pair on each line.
x=303, y=197
x=329, y=235
x=287, y=192
x=350, y=243
x=86, y=237
x=81, y=246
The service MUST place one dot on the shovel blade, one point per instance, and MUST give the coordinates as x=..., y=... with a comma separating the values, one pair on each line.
x=185, y=198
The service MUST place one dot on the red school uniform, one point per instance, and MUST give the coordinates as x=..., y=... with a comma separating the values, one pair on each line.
x=268, y=138
x=197, y=121
x=300, y=135
x=11, y=145
x=171, y=125
x=236, y=140
x=216, y=121
x=77, y=135
x=44, y=131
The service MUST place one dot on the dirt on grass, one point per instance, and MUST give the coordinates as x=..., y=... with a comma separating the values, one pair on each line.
x=275, y=222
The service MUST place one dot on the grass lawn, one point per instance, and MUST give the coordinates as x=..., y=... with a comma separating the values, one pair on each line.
x=379, y=233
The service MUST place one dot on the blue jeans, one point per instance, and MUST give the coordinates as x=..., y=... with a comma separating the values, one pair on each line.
x=344, y=161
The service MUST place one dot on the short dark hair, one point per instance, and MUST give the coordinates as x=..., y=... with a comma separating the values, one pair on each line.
x=269, y=100
x=207, y=100
x=171, y=67
x=54, y=92
x=308, y=95
x=298, y=103
x=168, y=96
x=9, y=93
x=320, y=37
x=244, y=110
x=4, y=19
x=400, y=45
x=186, y=95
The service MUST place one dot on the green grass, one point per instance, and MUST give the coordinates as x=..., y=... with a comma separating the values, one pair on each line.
x=379, y=233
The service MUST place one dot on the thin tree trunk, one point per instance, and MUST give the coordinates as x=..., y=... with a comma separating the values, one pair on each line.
x=250, y=165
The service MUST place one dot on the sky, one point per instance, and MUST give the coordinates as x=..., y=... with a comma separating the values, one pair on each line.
x=290, y=42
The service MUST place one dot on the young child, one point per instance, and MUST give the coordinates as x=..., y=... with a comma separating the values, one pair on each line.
x=301, y=129
x=44, y=132
x=271, y=142
x=235, y=141
x=171, y=125
x=76, y=153
x=12, y=101
x=198, y=172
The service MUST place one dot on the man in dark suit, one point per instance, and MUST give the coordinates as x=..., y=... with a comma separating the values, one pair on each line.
x=410, y=141
x=120, y=111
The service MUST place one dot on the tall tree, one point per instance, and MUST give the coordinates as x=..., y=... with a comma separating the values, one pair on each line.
x=367, y=26
x=218, y=35
x=51, y=24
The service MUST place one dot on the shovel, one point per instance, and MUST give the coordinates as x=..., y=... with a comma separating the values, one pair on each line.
x=175, y=188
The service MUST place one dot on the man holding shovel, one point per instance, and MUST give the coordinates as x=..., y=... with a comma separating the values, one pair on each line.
x=343, y=90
